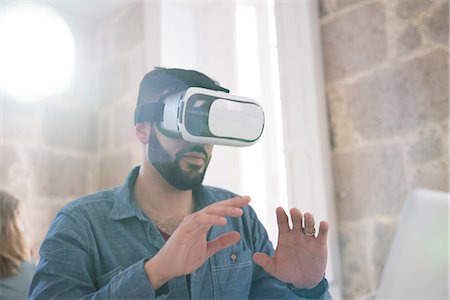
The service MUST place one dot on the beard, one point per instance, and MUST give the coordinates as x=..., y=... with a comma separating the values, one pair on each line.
x=171, y=168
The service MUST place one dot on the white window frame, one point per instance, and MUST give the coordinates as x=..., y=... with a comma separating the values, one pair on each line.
x=305, y=121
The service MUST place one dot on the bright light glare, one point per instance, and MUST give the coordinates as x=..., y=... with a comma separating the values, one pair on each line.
x=37, y=52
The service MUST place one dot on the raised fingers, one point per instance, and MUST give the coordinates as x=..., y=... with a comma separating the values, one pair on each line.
x=323, y=231
x=201, y=219
x=296, y=217
x=228, y=208
x=238, y=201
x=223, y=211
x=309, y=224
x=282, y=219
x=215, y=214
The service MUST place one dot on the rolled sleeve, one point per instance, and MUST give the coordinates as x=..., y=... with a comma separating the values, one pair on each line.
x=318, y=292
x=131, y=283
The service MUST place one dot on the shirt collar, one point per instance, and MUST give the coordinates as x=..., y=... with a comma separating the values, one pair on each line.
x=125, y=205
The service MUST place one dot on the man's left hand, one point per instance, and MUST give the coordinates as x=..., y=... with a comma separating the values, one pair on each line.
x=300, y=257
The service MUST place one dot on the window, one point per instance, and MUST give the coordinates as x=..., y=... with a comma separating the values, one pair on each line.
x=37, y=51
x=262, y=165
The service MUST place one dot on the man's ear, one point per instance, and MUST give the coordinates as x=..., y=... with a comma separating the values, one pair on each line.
x=142, y=131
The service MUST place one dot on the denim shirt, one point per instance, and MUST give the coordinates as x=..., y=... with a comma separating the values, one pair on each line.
x=97, y=245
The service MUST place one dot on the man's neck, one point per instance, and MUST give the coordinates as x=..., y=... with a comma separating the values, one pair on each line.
x=156, y=196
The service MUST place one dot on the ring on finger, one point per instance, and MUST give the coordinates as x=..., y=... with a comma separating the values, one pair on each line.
x=313, y=233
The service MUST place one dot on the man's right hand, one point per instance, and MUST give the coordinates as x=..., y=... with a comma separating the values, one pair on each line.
x=187, y=248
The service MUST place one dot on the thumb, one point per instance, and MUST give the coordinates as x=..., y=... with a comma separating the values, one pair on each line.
x=265, y=262
x=222, y=242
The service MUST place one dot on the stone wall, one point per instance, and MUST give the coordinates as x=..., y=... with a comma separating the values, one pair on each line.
x=121, y=69
x=60, y=148
x=48, y=148
x=386, y=66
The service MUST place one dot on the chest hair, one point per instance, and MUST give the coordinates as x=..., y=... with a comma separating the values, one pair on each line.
x=167, y=225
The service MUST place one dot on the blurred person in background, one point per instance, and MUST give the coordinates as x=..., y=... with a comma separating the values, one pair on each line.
x=16, y=264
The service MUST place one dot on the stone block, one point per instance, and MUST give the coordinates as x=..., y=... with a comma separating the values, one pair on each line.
x=18, y=127
x=429, y=178
x=15, y=170
x=445, y=143
x=129, y=28
x=408, y=41
x=401, y=99
x=123, y=125
x=20, y=120
x=411, y=8
x=70, y=128
x=46, y=208
x=354, y=238
x=8, y=159
x=114, y=81
x=346, y=3
x=114, y=168
x=138, y=69
x=58, y=175
x=384, y=230
x=354, y=41
x=368, y=181
x=437, y=25
x=86, y=89
x=105, y=131
x=426, y=149
x=86, y=40
x=326, y=7
x=40, y=212
x=342, y=133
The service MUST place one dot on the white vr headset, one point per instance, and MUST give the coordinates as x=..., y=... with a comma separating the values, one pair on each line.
x=205, y=116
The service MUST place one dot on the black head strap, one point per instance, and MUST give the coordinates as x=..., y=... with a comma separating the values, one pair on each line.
x=160, y=80
x=148, y=112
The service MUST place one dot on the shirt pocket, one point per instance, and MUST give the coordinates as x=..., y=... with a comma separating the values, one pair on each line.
x=232, y=270
x=104, y=279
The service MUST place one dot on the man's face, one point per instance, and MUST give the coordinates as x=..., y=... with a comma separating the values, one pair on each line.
x=181, y=164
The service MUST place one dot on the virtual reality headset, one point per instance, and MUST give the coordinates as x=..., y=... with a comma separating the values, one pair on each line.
x=205, y=116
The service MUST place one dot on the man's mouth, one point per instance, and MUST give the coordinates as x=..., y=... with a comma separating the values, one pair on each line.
x=195, y=157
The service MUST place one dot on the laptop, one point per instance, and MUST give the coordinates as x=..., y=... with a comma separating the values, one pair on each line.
x=418, y=263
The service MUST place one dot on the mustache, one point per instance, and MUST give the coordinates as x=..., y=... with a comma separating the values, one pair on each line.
x=190, y=149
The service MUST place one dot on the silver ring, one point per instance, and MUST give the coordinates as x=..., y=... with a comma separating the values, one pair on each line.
x=313, y=233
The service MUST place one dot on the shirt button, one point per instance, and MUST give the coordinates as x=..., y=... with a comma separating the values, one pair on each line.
x=233, y=257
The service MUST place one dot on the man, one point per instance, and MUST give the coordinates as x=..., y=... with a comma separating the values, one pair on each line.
x=163, y=234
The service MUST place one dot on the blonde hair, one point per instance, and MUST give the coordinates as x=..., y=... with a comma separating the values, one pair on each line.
x=13, y=248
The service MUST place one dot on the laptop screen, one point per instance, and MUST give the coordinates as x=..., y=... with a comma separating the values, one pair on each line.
x=418, y=263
